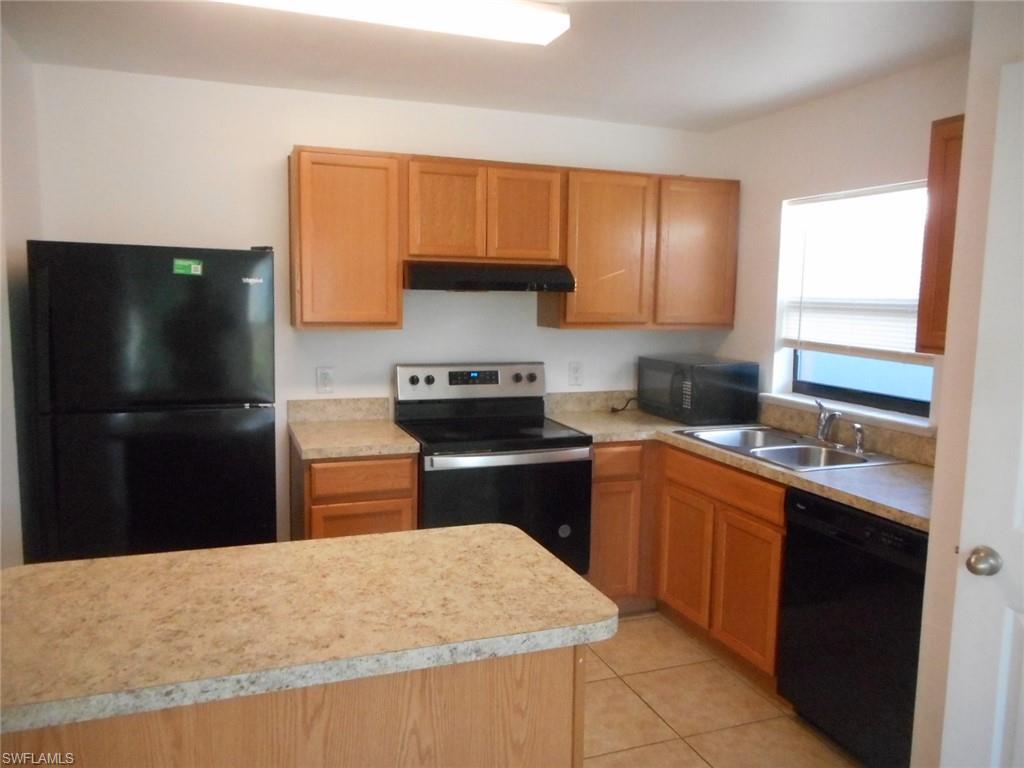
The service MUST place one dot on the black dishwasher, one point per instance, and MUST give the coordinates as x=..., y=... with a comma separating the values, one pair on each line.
x=850, y=625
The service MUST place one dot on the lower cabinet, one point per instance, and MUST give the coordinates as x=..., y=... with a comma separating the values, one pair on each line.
x=353, y=496
x=616, y=520
x=720, y=554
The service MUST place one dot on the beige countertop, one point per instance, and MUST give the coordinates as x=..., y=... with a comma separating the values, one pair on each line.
x=898, y=492
x=347, y=439
x=96, y=638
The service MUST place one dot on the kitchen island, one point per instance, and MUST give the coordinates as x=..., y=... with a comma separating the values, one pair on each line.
x=454, y=646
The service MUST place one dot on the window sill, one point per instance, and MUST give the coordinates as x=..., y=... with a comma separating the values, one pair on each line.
x=899, y=422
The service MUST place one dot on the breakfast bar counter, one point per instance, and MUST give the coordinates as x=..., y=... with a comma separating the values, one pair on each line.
x=333, y=651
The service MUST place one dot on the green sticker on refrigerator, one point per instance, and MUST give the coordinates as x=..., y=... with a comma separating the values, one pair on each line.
x=193, y=267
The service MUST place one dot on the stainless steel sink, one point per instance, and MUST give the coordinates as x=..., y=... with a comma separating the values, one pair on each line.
x=786, y=449
x=807, y=457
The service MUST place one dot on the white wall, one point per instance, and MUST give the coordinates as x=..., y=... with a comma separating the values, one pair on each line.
x=875, y=134
x=997, y=39
x=144, y=159
x=21, y=217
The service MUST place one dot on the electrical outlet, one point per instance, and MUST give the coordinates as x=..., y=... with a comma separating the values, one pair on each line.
x=575, y=373
x=325, y=379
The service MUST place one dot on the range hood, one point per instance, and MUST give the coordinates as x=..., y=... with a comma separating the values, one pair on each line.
x=488, y=277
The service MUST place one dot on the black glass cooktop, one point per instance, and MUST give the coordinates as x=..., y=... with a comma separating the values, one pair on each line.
x=493, y=434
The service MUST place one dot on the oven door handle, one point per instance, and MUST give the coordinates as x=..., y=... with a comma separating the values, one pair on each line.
x=510, y=459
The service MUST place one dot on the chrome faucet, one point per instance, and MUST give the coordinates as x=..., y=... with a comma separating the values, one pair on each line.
x=826, y=419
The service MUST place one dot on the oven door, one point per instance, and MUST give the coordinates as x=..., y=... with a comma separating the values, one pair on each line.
x=546, y=493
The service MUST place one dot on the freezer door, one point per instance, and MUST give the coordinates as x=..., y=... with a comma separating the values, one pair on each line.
x=135, y=482
x=125, y=326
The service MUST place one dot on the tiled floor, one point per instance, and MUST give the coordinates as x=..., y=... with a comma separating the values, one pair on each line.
x=658, y=697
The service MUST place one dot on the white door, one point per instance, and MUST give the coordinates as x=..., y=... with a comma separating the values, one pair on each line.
x=984, y=720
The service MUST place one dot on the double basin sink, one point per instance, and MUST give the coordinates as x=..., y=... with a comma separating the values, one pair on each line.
x=787, y=449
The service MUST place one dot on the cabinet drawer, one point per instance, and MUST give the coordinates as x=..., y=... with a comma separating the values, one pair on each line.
x=363, y=478
x=736, y=488
x=361, y=517
x=618, y=462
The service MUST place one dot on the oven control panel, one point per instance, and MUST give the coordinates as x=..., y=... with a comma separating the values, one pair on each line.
x=453, y=381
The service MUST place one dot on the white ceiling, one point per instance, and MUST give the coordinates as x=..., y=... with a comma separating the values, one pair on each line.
x=691, y=65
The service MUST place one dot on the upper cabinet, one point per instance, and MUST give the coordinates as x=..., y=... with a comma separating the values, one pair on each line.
x=937, y=261
x=477, y=212
x=648, y=252
x=447, y=209
x=612, y=228
x=697, y=233
x=347, y=223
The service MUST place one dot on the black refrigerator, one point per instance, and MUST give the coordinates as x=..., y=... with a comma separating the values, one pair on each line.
x=154, y=386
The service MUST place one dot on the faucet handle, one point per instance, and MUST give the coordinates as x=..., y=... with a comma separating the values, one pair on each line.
x=858, y=438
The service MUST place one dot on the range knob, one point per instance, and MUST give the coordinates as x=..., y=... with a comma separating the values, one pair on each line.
x=531, y=377
x=429, y=379
x=518, y=377
x=414, y=380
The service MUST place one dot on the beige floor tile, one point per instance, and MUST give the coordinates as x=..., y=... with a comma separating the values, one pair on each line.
x=648, y=643
x=615, y=718
x=667, y=754
x=779, y=743
x=595, y=668
x=701, y=697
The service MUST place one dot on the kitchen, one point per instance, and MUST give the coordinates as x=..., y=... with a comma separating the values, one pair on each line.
x=223, y=184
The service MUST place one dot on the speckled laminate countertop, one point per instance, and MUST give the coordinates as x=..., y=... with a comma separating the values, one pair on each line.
x=346, y=439
x=87, y=639
x=898, y=492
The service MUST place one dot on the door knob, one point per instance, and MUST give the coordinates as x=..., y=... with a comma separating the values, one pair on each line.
x=984, y=561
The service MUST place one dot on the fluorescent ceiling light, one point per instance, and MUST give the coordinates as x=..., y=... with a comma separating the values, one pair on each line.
x=515, y=21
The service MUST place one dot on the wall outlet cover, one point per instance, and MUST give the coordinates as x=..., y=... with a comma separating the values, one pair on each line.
x=575, y=373
x=325, y=379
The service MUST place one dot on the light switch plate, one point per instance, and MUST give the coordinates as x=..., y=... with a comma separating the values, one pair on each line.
x=325, y=379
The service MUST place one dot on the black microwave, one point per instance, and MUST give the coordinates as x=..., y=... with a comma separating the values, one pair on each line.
x=697, y=389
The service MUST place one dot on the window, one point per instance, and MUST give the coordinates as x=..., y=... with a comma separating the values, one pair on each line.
x=851, y=271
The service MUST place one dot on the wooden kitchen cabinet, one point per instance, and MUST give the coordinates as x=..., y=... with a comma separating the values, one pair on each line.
x=447, y=209
x=720, y=553
x=940, y=227
x=612, y=229
x=469, y=211
x=622, y=528
x=697, y=237
x=347, y=223
x=353, y=496
x=745, y=591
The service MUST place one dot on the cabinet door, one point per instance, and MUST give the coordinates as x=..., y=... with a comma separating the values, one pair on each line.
x=684, y=573
x=447, y=209
x=615, y=537
x=524, y=214
x=696, y=283
x=345, y=239
x=612, y=227
x=359, y=517
x=745, y=602
x=937, y=259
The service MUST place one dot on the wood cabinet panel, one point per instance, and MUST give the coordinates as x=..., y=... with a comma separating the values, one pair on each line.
x=612, y=228
x=696, y=272
x=355, y=518
x=362, y=478
x=524, y=214
x=747, y=571
x=732, y=486
x=447, y=209
x=346, y=218
x=940, y=228
x=615, y=537
x=618, y=462
x=684, y=563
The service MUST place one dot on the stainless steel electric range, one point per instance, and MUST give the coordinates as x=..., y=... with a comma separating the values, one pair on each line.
x=489, y=455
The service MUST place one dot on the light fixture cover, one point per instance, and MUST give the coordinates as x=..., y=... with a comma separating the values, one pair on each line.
x=515, y=21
